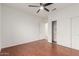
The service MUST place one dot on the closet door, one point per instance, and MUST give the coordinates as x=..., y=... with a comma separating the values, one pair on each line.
x=75, y=33
x=0, y=27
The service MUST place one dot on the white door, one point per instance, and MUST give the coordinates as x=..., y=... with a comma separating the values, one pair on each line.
x=0, y=27
x=75, y=33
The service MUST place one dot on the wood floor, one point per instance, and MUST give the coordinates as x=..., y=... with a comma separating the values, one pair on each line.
x=39, y=48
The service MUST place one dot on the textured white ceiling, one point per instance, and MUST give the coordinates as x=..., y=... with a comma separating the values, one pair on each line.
x=32, y=10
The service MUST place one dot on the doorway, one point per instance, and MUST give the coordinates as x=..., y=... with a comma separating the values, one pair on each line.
x=54, y=29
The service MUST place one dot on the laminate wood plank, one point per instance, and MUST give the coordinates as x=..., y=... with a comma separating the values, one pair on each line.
x=39, y=48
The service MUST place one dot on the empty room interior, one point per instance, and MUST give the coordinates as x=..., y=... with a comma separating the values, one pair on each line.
x=39, y=29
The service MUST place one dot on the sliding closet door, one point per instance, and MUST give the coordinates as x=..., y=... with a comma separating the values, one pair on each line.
x=0, y=27
x=75, y=33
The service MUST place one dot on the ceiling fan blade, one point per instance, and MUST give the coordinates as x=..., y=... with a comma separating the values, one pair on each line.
x=53, y=9
x=38, y=11
x=46, y=9
x=47, y=4
x=41, y=4
x=33, y=6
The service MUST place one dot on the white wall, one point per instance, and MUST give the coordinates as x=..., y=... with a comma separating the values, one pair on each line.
x=0, y=27
x=63, y=18
x=43, y=29
x=19, y=27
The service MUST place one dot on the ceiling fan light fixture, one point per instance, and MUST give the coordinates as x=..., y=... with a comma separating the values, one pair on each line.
x=42, y=8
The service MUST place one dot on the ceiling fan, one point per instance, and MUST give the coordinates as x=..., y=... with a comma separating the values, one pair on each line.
x=42, y=6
